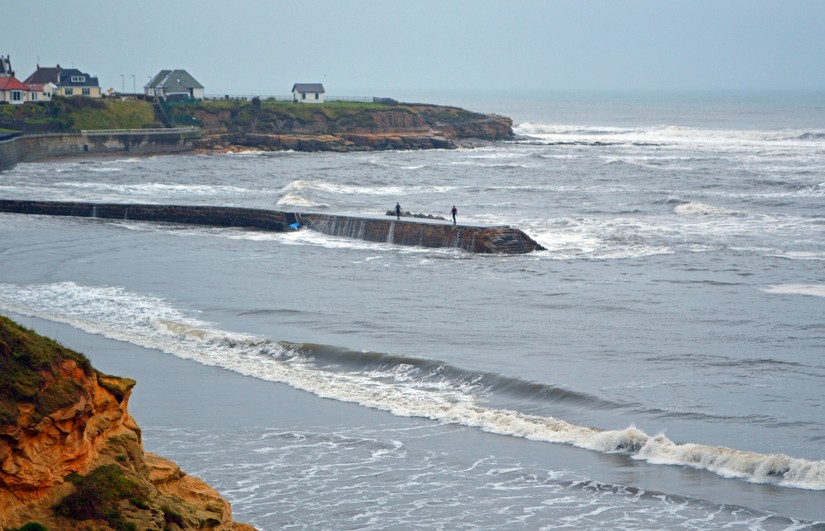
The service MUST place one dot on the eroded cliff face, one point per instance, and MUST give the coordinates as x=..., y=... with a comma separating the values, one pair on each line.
x=77, y=422
x=305, y=127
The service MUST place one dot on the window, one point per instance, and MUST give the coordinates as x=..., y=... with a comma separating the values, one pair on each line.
x=68, y=91
x=16, y=95
x=303, y=95
x=78, y=79
x=316, y=95
x=34, y=96
x=87, y=91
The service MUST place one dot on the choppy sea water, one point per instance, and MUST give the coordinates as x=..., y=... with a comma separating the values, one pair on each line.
x=674, y=324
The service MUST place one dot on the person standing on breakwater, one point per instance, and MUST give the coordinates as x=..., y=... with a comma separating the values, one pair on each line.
x=398, y=211
x=454, y=211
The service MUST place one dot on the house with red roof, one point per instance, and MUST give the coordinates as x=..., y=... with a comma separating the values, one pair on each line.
x=11, y=89
x=41, y=91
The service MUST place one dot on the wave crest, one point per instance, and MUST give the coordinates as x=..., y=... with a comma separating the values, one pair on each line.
x=403, y=387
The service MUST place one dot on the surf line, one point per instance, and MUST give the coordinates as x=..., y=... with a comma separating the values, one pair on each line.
x=494, y=239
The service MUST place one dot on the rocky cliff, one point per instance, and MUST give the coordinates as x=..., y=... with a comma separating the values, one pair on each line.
x=71, y=456
x=230, y=126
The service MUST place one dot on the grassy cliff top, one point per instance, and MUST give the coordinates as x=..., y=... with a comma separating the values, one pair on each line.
x=78, y=112
x=257, y=116
x=30, y=373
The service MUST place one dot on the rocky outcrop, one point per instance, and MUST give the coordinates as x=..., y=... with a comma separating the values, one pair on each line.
x=71, y=456
x=233, y=142
x=301, y=127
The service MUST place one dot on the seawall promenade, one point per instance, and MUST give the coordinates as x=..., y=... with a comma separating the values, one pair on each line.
x=31, y=148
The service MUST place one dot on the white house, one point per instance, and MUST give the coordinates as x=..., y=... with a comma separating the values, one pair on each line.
x=42, y=91
x=174, y=85
x=11, y=89
x=308, y=92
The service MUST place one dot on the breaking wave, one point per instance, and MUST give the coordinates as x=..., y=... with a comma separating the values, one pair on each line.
x=403, y=386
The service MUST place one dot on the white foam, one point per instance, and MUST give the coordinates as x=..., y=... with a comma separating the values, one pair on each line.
x=153, y=323
x=799, y=255
x=700, y=209
x=330, y=187
x=154, y=189
x=680, y=137
x=816, y=290
x=297, y=200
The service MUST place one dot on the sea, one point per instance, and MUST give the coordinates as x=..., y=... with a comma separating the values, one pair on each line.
x=661, y=365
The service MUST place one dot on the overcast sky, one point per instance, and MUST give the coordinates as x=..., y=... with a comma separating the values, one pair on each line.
x=397, y=47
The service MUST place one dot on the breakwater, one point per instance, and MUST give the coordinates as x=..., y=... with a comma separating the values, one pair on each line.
x=411, y=231
x=31, y=148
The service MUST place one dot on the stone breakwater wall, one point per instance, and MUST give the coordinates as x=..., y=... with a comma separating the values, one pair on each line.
x=140, y=141
x=492, y=239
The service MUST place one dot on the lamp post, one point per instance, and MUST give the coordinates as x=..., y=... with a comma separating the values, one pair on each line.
x=122, y=84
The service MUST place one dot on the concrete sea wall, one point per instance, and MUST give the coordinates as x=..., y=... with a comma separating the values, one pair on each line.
x=140, y=141
x=9, y=154
x=493, y=239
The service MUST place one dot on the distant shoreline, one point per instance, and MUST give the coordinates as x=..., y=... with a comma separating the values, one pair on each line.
x=231, y=127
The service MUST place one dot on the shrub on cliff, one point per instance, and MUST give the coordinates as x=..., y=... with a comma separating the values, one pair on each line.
x=30, y=373
x=98, y=495
x=31, y=526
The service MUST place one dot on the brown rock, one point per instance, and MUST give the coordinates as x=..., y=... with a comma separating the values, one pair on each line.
x=37, y=455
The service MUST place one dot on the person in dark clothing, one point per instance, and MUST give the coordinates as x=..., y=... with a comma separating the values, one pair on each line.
x=398, y=211
x=454, y=211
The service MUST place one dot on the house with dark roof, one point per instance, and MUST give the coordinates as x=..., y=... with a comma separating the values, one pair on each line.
x=69, y=81
x=174, y=85
x=73, y=82
x=308, y=92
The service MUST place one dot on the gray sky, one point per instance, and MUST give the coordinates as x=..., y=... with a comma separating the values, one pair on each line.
x=397, y=47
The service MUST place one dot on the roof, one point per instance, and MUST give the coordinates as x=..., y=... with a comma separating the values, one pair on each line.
x=45, y=75
x=11, y=83
x=39, y=87
x=308, y=87
x=67, y=75
x=174, y=81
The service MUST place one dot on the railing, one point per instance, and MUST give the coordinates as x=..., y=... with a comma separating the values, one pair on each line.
x=88, y=132
x=290, y=98
x=138, y=131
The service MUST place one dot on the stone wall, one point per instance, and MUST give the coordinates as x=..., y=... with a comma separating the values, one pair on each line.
x=9, y=156
x=494, y=239
x=37, y=147
x=191, y=215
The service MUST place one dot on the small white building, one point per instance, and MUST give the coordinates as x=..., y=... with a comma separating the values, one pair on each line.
x=42, y=91
x=308, y=92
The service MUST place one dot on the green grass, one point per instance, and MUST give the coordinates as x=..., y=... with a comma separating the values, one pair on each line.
x=114, y=114
x=29, y=373
x=80, y=112
x=279, y=117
